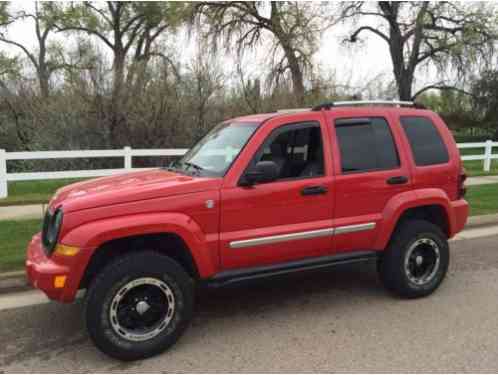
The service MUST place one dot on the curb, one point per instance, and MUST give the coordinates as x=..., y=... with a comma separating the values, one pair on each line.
x=13, y=282
x=16, y=281
x=482, y=220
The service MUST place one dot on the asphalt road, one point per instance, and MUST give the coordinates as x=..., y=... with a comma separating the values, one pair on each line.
x=336, y=321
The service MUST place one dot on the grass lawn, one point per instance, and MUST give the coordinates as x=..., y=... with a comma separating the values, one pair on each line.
x=483, y=199
x=15, y=235
x=31, y=192
x=14, y=238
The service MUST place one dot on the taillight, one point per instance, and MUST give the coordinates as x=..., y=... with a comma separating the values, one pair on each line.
x=461, y=183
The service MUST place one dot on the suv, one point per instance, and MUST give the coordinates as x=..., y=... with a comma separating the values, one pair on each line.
x=259, y=196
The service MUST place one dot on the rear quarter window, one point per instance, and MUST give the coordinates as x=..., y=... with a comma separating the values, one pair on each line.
x=426, y=143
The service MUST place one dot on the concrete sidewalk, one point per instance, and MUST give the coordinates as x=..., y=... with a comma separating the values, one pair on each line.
x=481, y=180
x=35, y=211
x=32, y=211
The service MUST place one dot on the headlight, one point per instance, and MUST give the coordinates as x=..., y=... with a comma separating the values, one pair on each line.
x=52, y=224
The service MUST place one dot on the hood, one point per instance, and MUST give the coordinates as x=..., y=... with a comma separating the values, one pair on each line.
x=129, y=187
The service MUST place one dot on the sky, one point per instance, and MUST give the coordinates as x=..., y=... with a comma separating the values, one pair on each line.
x=353, y=64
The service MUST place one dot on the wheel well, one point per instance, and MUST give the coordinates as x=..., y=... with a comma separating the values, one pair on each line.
x=169, y=244
x=435, y=214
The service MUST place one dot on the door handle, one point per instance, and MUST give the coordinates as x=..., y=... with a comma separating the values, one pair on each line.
x=314, y=190
x=397, y=180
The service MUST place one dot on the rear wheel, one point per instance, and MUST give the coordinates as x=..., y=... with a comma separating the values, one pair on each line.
x=139, y=306
x=416, y=259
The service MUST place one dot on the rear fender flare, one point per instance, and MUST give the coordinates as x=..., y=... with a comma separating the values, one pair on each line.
x=398, y=204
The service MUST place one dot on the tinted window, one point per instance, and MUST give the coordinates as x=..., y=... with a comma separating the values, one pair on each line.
x=366, y=144
x=427, y=146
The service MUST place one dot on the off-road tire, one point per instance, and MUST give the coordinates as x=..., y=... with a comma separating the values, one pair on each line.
x=119, y=273
x=391, y=265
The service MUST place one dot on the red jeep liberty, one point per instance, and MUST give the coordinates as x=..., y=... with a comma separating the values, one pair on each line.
x=259, y=196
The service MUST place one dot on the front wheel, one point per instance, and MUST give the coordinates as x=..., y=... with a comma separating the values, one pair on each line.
x=139, y=306
x=416, y=259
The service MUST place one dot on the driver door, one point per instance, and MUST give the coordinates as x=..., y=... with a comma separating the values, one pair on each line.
x=286, y=219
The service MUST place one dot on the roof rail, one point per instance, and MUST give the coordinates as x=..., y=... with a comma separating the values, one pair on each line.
x=398, y=103
x=352, y=103
x=293, y=110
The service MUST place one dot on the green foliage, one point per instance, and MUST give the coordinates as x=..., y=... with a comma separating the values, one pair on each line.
x=4, y=13
x=9, y=67
x=485, y=90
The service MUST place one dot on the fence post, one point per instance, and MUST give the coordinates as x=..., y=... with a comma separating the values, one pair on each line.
x=127, y=158
x=488, y=151
x=3, y=174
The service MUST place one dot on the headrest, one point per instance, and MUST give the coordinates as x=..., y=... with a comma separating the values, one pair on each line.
x=301, y=138
x=276, y=149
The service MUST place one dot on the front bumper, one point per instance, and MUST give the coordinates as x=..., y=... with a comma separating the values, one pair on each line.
x=42, y=270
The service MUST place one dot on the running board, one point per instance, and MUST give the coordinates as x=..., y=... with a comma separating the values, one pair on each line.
x=242, y=275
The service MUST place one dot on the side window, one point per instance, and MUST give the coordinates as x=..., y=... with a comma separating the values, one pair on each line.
x=427, y=146
x=296, y=149
x=366, y=144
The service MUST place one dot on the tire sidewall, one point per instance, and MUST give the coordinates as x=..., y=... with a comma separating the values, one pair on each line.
x=443, y=263
x=391, y=265
x=99, y=303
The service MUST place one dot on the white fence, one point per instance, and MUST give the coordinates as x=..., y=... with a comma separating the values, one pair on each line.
x=128, y=153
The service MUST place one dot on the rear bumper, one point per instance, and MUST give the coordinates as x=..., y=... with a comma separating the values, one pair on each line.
x=42, y=270
x=460, y=214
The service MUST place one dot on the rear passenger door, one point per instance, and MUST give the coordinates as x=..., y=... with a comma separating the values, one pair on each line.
x=370, y=170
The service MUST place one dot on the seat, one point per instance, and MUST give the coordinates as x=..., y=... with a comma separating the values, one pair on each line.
x=277, y=156
x=315, y=166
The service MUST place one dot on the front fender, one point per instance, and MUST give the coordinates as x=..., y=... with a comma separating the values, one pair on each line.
x=92, y=235
x=398, y=204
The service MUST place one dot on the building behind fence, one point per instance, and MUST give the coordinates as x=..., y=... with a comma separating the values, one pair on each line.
x=127, y=153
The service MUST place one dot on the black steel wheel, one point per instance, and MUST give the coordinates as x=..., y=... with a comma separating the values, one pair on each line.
x=139, y=305
x=416, y=260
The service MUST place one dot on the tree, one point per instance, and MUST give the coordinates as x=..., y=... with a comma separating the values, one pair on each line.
x=124, y=27
x=419, y=33
x=294, y=28
x=485, y=91
x=46, y=58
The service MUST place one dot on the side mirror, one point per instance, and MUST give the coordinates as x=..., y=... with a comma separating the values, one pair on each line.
x=264, y=171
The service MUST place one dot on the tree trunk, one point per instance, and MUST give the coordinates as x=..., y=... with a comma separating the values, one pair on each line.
x=297, y=76
x=116, y=100
x=404, y=83
x=403, y=76
x=44, y=83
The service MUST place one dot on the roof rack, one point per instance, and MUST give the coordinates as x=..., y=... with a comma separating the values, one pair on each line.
x=293, y=110
x=352, y=103
x=398, y=103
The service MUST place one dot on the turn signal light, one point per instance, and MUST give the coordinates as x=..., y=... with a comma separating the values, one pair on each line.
x=66, y=250
x=59, y=281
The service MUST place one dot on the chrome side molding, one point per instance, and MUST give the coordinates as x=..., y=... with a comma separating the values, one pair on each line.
x=326, y=232
x=354, y=228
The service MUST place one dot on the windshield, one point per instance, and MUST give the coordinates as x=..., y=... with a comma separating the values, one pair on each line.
x=215, y=152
